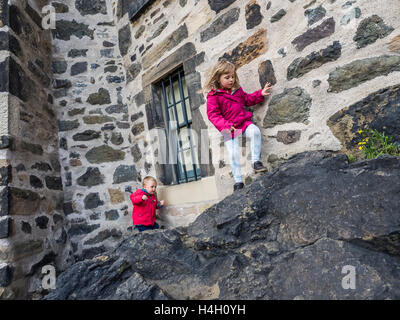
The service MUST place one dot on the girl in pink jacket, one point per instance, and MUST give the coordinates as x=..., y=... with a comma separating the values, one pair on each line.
x=225, y=109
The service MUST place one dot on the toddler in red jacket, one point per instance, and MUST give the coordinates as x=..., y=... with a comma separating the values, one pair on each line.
x=145, y=205
x=225, y=109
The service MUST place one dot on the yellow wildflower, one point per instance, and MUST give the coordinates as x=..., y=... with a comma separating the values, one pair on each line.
x=360, y=147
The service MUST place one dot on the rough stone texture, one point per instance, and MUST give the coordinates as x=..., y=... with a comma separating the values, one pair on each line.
x=220, y=24
x=65, y=29
x=116, y=196
x=288, y=137
x=5, y=275
x=133, y=71
x=278, y=16
x=219, y=5
x=253, y=15
x=23, y=202
x=325, y=29
x=103, y=235
x=86, y=135
x=158, y=31
x=5, y=223
x=266, y=73
x=92, y=200
x=360, y=71
x=104, y=154
x=292, y=105
x=112, y=215
x=287, y=235
x=124, y=38
x=370, y=30
x=4, y=14
x=60, y=7
x=102, y=96
x=315, y=15
x=65, y=125
x=89, y=7
x=379, y=110
x=247, y=51
x=79, y=67
x=92, y=177
x=97, y=119
x=42, y=222
x=301, y=66
x=124, y=173
x=137, y=129
x=59, y=67
x=54, y=183
x=165, y=45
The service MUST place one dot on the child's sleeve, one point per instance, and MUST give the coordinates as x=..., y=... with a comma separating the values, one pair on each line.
x=136, y=198
x=252, y=98
x=214, y=114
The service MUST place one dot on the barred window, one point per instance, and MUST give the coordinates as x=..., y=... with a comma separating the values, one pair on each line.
x=179, y=122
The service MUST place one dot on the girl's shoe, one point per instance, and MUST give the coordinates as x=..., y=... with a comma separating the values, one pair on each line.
x=238, y=185
x=258, y=167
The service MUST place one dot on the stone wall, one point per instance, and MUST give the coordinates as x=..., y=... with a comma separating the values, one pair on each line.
x=32, y=222
x=96, y=150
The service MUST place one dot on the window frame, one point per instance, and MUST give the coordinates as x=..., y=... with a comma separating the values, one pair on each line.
x=177, y=76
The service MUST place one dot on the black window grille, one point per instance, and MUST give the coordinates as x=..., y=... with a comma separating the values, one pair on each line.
x=179, y=122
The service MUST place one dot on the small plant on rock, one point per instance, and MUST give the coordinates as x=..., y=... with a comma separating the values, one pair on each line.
x=375, y=144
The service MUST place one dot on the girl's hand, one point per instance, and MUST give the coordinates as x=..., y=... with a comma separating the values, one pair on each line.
x=162, y=202
x=144, y=197
x=265, y=90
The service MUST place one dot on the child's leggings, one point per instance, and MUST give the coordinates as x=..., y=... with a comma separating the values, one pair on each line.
x=252, y=132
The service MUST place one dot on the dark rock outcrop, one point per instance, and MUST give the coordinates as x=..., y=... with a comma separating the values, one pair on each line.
x=288, y=235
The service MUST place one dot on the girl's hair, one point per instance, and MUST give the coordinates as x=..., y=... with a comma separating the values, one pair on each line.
x=148, y=178
x=222, y=67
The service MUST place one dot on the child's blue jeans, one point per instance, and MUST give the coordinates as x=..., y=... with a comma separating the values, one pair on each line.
x=144, y=228
x=252, y=132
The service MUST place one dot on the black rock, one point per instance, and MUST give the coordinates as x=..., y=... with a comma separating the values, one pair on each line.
x=5, y=275
x=370, y=30
x=290, y=234
x=301, y=66
x=54, y=183
x=78, y=68
x=124, y=38
x=253, y=15
x=35, y=182
x=92, y=200
x=223, y=22
x=125, y=173
x=42, y=222
x=92, y=177
x=5, y=224
x=219, y=5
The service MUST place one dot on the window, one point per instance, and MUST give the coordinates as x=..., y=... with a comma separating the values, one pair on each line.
x=178, y=116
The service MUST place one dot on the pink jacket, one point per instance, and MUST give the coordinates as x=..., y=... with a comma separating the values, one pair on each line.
x=225, y=110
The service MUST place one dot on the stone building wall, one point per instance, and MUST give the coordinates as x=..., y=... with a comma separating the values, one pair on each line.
x=32, y=222
x=97, y=165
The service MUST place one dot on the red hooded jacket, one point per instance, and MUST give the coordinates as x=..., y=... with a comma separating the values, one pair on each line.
x=144, y=211
x=225, y=110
